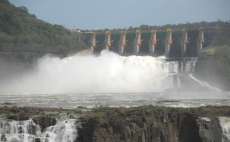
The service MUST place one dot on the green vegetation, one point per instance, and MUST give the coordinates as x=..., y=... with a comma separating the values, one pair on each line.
x=23, y=32
x=215, y=34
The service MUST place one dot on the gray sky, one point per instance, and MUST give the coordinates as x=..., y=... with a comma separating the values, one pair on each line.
x=91, y=14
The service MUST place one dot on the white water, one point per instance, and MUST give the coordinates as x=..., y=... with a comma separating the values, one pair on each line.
x=109, y=80
x=225, y=125
x=28, y=131
x=204, y=84
x=108, y=72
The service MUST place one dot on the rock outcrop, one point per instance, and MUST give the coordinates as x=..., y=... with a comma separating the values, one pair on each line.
x=154, y=124
x=141, y=124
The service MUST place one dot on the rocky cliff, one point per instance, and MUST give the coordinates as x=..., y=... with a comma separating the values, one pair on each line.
x=154, y=124
x=142, y=124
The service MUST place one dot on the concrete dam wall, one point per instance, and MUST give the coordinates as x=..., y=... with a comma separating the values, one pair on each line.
x=172, y=44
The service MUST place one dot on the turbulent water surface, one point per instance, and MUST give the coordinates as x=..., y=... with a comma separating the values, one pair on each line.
x=109, y=80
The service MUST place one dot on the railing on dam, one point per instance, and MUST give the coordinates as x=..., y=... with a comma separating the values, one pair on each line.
x=172, y=44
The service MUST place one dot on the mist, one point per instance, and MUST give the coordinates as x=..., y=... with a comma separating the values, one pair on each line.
x=106, y=79
x=108, y=72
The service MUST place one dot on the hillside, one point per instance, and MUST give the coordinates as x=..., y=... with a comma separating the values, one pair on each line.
x=23, y=32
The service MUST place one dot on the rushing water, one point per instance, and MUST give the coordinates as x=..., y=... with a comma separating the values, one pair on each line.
x=225, y=125
x=28, y=131
x=89, y=74
x=65, y=130
x=109, y=80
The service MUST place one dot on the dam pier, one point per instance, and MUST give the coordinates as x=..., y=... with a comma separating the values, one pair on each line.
x=181, y=46
x=172, y=44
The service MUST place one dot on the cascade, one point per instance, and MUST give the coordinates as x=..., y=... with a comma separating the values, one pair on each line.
x=28, y=131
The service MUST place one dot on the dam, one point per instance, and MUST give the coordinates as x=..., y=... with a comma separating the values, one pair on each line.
x=173, y=44
x=124, y=61
x=119, y=81
x=127, y=68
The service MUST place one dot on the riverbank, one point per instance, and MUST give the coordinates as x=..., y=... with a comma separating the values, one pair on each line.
x=137, y=124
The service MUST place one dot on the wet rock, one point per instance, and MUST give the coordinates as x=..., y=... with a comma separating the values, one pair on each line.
x=45, y=121
x=154, y=124
x=209, y=129
x=141, y=124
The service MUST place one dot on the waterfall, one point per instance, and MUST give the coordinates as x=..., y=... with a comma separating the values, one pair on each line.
x=29, y=131
x=225, y=126
x=64, y=131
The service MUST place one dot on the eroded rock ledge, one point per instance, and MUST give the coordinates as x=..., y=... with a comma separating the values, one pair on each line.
x=141, y=124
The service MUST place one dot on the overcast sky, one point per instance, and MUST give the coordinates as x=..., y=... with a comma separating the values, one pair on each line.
x=91, y=14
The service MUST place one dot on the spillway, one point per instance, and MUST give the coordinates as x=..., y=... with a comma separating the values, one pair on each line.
x=110, y=80
x=107, y=73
